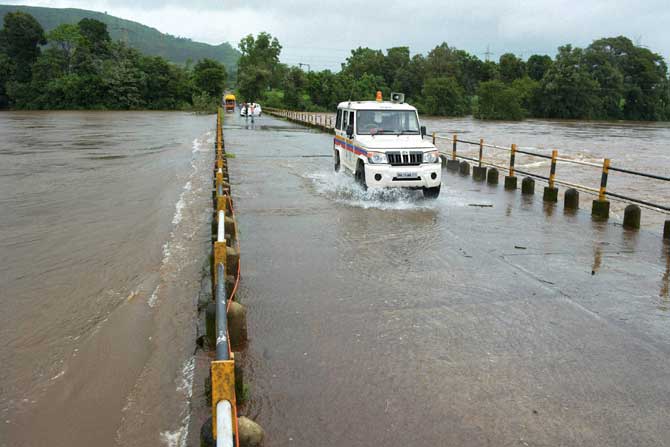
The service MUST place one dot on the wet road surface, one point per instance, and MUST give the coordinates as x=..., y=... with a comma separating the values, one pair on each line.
x=482, y=318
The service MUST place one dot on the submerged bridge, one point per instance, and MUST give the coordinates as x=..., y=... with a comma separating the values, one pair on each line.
x=486, y=317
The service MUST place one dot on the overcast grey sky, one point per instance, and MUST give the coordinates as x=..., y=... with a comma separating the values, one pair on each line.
x=322, y=33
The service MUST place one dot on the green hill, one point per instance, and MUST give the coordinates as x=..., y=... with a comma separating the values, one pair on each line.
x=148, y=40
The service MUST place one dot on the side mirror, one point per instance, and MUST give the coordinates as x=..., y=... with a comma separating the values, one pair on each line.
x=423, y=131
x=350, y=131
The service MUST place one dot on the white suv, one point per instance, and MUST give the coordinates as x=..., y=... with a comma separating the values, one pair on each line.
x=381, y=143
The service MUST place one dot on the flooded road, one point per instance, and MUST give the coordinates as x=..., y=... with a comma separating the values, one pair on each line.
x=482, y=318
x=637, y=146
x=103, y=236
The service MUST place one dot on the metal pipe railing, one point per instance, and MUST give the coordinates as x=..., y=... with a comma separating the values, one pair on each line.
x=225, y=436
x=221, y=227
x=222, y=346
x=551, y=179
x=314, y=118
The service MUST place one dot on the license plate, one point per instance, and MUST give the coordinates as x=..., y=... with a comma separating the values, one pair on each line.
x=406, y=175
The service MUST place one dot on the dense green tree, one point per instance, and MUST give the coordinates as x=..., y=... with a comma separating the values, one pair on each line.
x=21, y=38
x=210, y=76
x=293, y=88
x=167, y=85
x=322, y=87
x=396, y=60
x=568, y=90
x=537, y=65
x=252, y=82
x=364, y=61
x=526, y=91
x=123, y=80
x=258, y=65
x=409, y=79
x=366, y=87
x=511, y=67
x=444, y=96
x=498, y=101
x=445, y=61
x=441, y=62
x=6, y=74
x=67, y=39
x=95, y=34
x=473, y=71
x=641, y=84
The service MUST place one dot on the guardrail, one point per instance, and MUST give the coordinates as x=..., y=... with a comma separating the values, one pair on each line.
x=322, y=121
x=600, y=207
x=225, y=318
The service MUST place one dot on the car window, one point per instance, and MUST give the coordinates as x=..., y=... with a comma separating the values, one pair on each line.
x=371, y=122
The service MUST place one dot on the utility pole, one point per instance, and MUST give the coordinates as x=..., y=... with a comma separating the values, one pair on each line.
x=487, y=53
x=309, y=67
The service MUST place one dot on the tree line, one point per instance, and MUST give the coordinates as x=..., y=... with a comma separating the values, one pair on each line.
x=610, y=79
x=78, y=66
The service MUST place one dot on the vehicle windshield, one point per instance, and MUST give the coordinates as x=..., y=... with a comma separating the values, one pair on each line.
x=386, y=122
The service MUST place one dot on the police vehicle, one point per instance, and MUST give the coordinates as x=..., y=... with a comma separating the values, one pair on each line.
x=382, y=144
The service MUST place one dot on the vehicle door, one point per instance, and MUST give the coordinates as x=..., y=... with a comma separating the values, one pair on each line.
x=346, y=153
x=353, y=158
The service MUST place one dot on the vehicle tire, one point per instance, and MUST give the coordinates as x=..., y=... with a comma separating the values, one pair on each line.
x=360, y=175
x=336, y=156
x=431, y=193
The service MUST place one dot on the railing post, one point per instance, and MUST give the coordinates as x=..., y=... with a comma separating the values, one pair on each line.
x=601, y=206
x=453, y=150
x=481, y=151
x=510, y=180
x=452, y=165
x=552, y=172
x=603, y=179
x=479, y=171
x=551, y=192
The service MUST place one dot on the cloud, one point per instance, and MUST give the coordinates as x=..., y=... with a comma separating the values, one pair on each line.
x=322, y=34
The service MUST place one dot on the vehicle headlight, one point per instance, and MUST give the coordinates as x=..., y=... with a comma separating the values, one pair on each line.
x=431, y=157
x=377, y=157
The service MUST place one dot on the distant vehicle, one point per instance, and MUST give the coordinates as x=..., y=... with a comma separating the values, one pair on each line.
x=229, y=102
x=381, y=143
x=251, y=109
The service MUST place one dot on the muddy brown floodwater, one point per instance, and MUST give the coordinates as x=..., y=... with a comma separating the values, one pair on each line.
x=482, y=318
x=102, y=234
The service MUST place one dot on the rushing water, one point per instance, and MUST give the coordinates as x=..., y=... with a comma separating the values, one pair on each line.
x=102, y=235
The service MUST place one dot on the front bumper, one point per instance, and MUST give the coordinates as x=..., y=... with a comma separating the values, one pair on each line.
x=427, y=175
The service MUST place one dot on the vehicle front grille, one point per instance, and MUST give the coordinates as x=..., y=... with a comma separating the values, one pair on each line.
x=405, y=158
